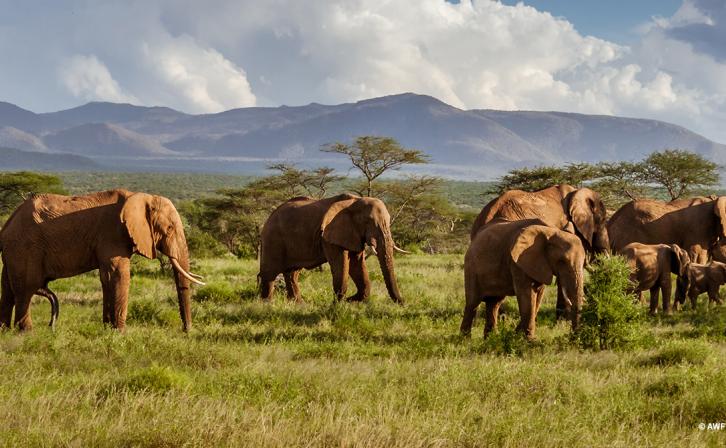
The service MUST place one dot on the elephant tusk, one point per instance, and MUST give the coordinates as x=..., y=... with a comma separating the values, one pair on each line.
x=198, y=277
x=398, y=249
x=178, y=267
x=373, y=249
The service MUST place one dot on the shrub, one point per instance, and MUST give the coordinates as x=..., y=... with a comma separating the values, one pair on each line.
x=675, y=353
x=153, y=380
x=147, y=311
x=610, y=317
x=224, y=293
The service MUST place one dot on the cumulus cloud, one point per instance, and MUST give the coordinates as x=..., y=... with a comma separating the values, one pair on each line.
x=474, y=54
x=89, y=79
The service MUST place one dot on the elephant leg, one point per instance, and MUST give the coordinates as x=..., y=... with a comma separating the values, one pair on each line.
x=713, y=295
x=24, y=286
x=359, y=274
x=527, y=300
x=267, y=285
x=540, y=294
x=665, y=289
x=107, y=303
x=292, y=286
x=116, y=276
x=339, y=266
x=654, y=299
x=492, y=313
x=562, y=310
x=7, y=300
x=473, y=299
x=693, y=296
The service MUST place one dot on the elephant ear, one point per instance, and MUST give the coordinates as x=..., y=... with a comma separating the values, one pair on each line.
x=529, y=253
x=136, y=216
x=679, y=260
x=719, y=207
x=340, y=227
x=582, y=208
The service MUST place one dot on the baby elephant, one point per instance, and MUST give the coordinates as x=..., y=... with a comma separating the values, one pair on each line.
x=705, y=278
x=652, y=265
x=517, y=258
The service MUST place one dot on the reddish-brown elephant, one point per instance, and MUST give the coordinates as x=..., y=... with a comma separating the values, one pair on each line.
x=581, y=211
x=508, y=258
x=53, y=236
x=304, y=233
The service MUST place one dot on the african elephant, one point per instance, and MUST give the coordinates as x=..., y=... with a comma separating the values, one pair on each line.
x=560, y=206
x=706, y=278
x=695, y=225
x=304, y=233
x=53, y=236
x=518, y=258
x=652, y=265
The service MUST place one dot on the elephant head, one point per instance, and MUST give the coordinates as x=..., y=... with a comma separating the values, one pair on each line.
x=541, y=252
x=719, y=208
x=587, y=212
x=679, y=260
x=355, y=222
x=155, y=227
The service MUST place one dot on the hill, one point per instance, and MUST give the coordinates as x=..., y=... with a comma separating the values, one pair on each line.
x=14, y=159
x=462, y=143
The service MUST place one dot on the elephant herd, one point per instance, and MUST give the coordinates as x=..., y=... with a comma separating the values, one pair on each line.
x=519, y=242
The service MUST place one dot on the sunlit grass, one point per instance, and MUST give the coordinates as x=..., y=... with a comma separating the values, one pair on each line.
x=326, y=374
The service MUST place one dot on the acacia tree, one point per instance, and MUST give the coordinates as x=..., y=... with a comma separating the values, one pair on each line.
x=679, y=172
x=373, y=156
x=16, y=187
x=296, y=182
x=537, y=178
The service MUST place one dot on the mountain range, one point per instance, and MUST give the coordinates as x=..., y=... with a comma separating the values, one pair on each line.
x=478, y=144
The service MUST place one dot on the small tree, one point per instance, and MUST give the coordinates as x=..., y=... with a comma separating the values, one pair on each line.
x=619, y=182
x=537, y=178
x=296, y=182
x=16, y=187
x=679, y=172
x=609, y=316
x=373, y=156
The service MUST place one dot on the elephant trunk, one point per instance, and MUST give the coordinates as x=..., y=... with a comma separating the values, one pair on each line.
x=183, y=287
x=573, y=289
x=601, y=242
x=385, y=258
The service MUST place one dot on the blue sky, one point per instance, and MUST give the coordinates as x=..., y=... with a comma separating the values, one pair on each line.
x=663, y=59
x=615, y=20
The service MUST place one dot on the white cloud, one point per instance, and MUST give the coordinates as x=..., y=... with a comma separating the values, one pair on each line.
x=201, y=78
x=475, y=54
x=88, y=78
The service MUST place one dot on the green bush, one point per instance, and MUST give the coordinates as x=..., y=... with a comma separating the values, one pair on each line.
x=154, y=380
x=675, y=353
x=224, y=292
x=610, y=317
x=203, y=245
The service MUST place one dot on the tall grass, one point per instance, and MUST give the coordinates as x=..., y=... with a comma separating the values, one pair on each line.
x=319, y=374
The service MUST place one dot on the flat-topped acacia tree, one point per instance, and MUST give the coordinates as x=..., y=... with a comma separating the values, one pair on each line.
x=373, y=156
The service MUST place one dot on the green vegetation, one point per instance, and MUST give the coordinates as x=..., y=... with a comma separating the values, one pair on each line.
x=320, y=374
x=670, y=174
x=610, y=319
x=15, y=187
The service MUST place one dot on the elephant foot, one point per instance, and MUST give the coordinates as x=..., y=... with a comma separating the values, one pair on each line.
x=357, y=298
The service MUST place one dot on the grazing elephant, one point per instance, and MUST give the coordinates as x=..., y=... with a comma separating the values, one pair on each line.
x=652, y=265
x=52, y=236
x=706, y=278
x=560, y=206
x=695, y=225
x=304, y=233
x=518, y=258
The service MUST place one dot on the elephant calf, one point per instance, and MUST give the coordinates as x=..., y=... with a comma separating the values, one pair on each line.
x=652, y=265
x=706, y=278
x=517, y=258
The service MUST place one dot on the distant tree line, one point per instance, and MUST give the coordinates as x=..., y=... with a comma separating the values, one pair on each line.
x=670, y=174
x=422, y=218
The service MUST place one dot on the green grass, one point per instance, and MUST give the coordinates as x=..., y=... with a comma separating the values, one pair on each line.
x=321, y=374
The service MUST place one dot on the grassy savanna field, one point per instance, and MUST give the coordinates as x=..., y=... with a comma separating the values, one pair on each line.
x=320, y=374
